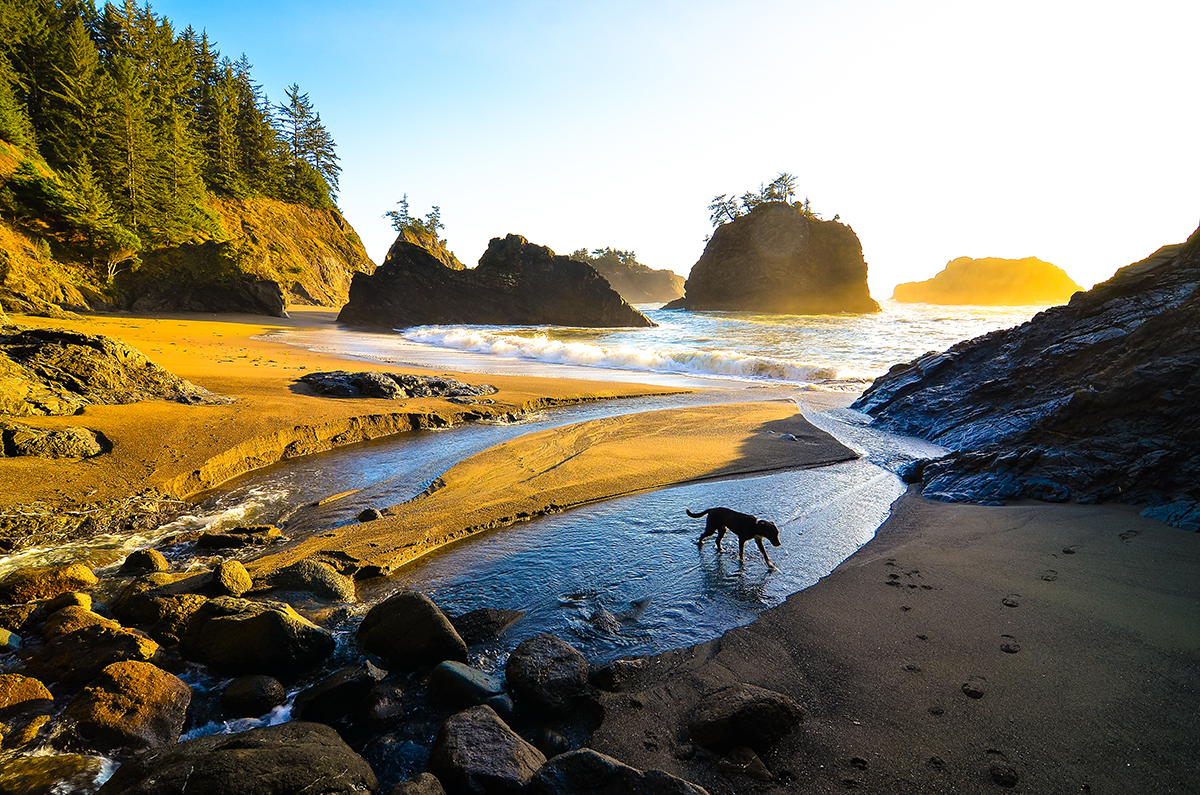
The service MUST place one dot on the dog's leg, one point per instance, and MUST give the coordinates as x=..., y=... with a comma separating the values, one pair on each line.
x=708, y=530
x=720, y=536
x=742, y=548
x=763, y=550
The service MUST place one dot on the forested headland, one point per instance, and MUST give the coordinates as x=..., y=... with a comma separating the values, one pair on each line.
x=137, y=162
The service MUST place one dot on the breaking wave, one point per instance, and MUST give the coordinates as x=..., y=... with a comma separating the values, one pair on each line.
x=541, y=348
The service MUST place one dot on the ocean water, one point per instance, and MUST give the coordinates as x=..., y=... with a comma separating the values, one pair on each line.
x=841, y=352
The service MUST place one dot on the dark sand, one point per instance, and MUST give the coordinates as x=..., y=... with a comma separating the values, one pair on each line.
x=1102, y=696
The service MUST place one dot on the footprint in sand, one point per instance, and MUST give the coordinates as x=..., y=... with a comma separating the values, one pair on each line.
x=1011, y=600
x=1050, y=575
x=974, y=687
x=1129, y=535
x=1009, y=644
x=1071, y=550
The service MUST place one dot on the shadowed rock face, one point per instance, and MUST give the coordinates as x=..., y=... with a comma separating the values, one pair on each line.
x=1093, y=401
x=516, y=283
x=640, y=284
x=777, y=260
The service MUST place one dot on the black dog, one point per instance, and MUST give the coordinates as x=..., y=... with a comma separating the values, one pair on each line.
x=743, y=524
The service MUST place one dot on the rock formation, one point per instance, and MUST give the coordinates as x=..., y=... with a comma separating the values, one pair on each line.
x=516, y=283
x=775, y=259
x=56, y=372
x=637, y=283
x=992, y=282
x=1093, y=401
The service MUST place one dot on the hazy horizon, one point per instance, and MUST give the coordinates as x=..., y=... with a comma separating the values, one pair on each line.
x=936, y=130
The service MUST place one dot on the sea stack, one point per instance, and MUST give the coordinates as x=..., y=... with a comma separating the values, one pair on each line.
x=516, y=283
x=1092, y=401
x=992, y=282
x=778, y=259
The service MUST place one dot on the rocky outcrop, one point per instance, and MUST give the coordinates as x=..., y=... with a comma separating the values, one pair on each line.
x=516, y=283
x=776, y=259
x=292, y=757
x=45, y=582
x=744, y=715
x=547, y=673
x=57, y=372
x=640, y=284
x=131, y=705
x=1093, y=401
x=237, y=636
x=78, y=657
x=476, y=753
x=596, y=774
x=252, y=695
x=393, y=386
x=992, y=282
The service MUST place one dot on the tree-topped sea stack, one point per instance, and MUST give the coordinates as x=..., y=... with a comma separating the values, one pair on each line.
x=992, y=282
x=516, y=283
x=780, y=258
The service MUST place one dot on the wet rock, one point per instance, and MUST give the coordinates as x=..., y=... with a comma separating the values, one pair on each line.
x=409, y=631
x=384, y=706
x=476, y=752
x=16, y=689
x=344, y=694
x=258, y=534
x=69, y=599
x=516, y=282
x=144, y=560
x=547, y=673
x=484, y=624
x=237, y=636
x=17, y=439
x=130, y=705
x=57, y=372
x=20, y=618
x=161, y=603
x=775, y=259
x=550, y=742
x=586, y=771
x=1092, y=401
x=75, y=658
x=50, y=774
x=45, y=582
x=251, y=696
x=424, y=784
x=744, y=715
x=391, y=386
x=230, y=578
x=221, y=541
x=460, y=685
x=9, y=641
x=314, y=577
x=615, y=676
x=370, y=515
x=742, y=761
x=72, y=618
x=293, y=757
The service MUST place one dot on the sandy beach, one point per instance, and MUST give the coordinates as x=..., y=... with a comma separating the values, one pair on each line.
x=1080, y=625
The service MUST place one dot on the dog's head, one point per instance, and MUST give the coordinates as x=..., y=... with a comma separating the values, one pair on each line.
x=769, y=531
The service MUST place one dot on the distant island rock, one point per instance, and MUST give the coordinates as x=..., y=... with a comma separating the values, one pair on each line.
x=637, y=283
x=992, y=282
x=516, y=283
x=1092, y=401
x=778, y=259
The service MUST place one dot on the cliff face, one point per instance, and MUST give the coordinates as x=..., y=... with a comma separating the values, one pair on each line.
x=1093, y=401
x=516, y=283
x=777, y=260
x=277, y=254
x=641, y=284
x=992, y=282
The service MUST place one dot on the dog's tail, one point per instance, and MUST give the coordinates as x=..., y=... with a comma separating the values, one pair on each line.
x=696, y=515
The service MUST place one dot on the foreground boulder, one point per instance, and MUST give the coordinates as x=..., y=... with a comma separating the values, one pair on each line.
x=586, y=771
x=1093, y=401
x=18, y=439
x=547, y=673
x=56, y=372
x=251, y=696
x=477, y=753
x=130, y=705
x=992, y=282
x=409, y=631
x=744, y=715
x=484, y=624
x=393, y=386
x=516, y=283
x=295, y=757
x=777, y=259
x=45, y=582
x=75, y=658
x=237, y=636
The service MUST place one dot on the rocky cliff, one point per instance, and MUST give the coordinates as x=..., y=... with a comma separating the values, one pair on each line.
x=992, y=282
x=1093, y=401
x=776, y=259
x=516, y=283
x=276, y=254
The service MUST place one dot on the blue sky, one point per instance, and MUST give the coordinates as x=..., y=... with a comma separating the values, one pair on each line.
x=936, y=129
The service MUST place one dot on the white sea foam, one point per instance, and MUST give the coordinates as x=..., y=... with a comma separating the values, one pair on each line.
x=541, y=348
